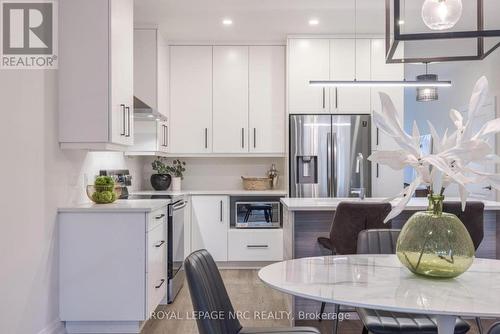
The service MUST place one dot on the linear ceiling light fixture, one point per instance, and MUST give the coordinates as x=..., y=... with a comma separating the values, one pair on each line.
x=375, y=83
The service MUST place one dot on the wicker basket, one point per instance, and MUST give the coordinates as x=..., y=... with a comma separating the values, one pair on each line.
x=257, y=183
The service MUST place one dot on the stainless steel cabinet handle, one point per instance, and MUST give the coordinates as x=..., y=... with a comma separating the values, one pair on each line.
x=128, y=123
x=206, y=137
x=160, y=216
x=377, y=170
x=257, y=246
x=324, y=98
x=166, y=135
x=123, y=117
x=377, y=136
x=336, y=98
x=242, y=138
x=221, y=218
x=161, y=283
x=254, y=137
x=160, y=244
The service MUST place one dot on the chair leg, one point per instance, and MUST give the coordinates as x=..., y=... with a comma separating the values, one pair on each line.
x=321, y=311
x=336, y=319
x=365, y=330
x=479, y=325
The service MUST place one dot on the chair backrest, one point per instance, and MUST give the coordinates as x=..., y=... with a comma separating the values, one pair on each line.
x=353, y=217
x=472, y=218
x=377, y=241
x=209, y=295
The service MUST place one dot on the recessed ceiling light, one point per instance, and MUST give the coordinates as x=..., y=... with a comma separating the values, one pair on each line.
x=313, y=22
x=227, y=22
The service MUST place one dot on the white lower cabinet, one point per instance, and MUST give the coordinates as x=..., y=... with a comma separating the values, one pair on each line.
x=255, y=245
x=210, y=224
x=112, y=269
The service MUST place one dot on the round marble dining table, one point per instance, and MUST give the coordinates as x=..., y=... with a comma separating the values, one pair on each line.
x=381, y=282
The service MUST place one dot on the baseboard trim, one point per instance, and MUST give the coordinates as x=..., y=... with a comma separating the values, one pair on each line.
x=56, y=327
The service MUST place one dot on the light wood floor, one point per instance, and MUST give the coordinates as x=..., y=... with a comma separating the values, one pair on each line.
x=247, y=293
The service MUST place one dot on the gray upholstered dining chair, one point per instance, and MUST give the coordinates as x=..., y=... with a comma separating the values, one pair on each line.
x=351, y=218
x=209, y=296
x=383, y=241
x=495, y=328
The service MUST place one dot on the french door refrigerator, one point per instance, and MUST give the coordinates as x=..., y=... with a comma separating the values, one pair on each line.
x=328, y=155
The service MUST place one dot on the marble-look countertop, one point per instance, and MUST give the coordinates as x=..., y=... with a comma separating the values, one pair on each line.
x=237, y=192
x=131, y=205
x=330, y=204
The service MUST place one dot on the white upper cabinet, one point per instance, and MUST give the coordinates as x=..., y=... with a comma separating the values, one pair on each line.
x=230, y=99
x=309, y=59
x=96, y=74
x=350, y=60
x=151, y=69
x=267, y=99
x=191, y=99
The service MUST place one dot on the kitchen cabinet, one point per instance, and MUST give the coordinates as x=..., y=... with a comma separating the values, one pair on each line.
x=350, y=60
x=210, y=224
x=191, y=99
x=112, y=268
x=151, y=70
x=255, y=245
x=230, y=99
x=267, y=99
x=96, y=74
x=386, y=182
x=309, y=59
x=151, y=138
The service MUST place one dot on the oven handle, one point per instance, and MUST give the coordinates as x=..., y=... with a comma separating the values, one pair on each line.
x=178, y=206
x=257, y=246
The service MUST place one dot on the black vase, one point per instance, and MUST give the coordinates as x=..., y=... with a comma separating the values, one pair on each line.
x=161, y=181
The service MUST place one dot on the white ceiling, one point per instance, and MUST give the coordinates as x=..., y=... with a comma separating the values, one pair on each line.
x=273, y=20
x=258, y=20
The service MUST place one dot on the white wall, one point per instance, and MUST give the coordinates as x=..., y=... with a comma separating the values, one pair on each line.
x=37, y=177
x=220, y=173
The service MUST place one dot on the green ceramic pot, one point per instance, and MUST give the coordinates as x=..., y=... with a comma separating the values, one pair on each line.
x=435, y=244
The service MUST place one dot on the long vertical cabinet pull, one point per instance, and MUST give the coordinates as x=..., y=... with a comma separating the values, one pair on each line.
x=378, y=170
x=242, y=137
x=128, y=121
x=254, y=137
x=206, y=137
x=336, y=98
x=221, y=215
x=377, y=137
x=123, y=118
x=324, y=102
x=166, y=135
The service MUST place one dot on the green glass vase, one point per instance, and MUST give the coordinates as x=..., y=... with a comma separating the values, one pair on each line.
x=435, y=244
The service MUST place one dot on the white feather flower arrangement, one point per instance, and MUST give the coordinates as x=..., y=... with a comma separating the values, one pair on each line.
x=450, y=161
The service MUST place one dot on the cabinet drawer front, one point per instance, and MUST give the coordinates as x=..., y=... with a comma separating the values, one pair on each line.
x=156, y=267
x=157, y=217
x=255, y=245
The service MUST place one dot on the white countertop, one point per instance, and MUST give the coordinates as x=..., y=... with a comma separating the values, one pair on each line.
x=381, y=282
x=237, y=192
x=132, y=205
x=330, y=204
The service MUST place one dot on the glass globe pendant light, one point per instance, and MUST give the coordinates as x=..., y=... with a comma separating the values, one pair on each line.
x=441, y=14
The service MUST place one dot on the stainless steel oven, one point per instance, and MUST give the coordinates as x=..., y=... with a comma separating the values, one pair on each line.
x=257, y=214
x=175, y=246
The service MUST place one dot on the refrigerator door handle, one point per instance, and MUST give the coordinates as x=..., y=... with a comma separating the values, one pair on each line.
x=328, y=163
x=334, y=172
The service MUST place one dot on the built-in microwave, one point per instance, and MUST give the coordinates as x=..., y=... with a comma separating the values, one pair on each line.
x=257, y=214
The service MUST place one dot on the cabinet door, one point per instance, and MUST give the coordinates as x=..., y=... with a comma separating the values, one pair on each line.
x=349, y=60
x=210, y=224
x=163, y=84
x=191, y=99
x=122, y=71
x=309, y=59
x=383, y=71
x=230, y=104
x=267, y=99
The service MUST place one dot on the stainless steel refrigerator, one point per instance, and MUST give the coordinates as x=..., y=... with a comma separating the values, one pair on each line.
x=328, y=155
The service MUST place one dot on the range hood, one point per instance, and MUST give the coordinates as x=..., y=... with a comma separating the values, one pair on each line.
x=144, y=112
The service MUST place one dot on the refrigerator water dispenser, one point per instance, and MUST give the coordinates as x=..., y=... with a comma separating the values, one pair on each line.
x=307, y=169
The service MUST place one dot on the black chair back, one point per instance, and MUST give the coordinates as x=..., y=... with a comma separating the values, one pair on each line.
x=353, y=217
x=377, y=241
x=209, y=295
x=472, y=218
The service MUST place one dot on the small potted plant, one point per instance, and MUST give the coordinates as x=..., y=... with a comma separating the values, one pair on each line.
x=161, y=179
x=176, y=171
